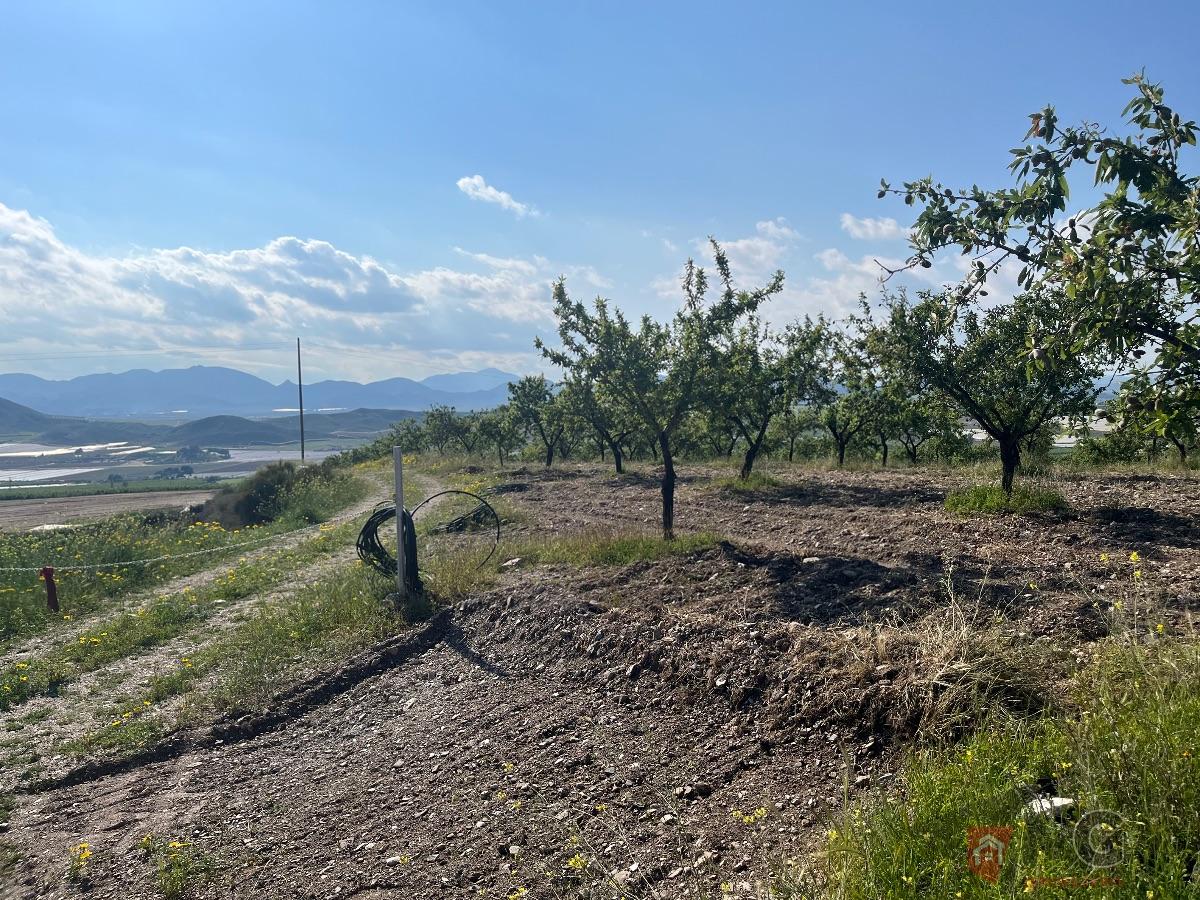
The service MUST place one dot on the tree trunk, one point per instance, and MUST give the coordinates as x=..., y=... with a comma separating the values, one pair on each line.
x=550, y=454
x=1181, y=449
x=883, y=444
x=668, y=488
x=752, y=450
x=500, y=453
x=1010, y=458
x=618, y=461
x=791, y=449
x=841, y=450
x=912, y=453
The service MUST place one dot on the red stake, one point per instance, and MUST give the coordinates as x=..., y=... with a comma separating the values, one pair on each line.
x=51, y=588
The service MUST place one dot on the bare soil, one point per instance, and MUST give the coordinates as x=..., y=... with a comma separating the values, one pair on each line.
x=660, y=729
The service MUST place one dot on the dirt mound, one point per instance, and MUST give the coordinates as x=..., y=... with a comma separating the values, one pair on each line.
x=776, y=641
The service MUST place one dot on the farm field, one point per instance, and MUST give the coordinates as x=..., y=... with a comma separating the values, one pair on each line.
x=23, y=514
x=593, y=713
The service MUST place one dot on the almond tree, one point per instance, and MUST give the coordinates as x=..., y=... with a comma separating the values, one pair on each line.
x=655, y=371
x=534, y=408
x=1128, y=267
x=760, y=376
x=977, y=359
x=610, y=424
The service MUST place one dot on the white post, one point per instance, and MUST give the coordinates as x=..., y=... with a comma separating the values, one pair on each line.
x=401, y=582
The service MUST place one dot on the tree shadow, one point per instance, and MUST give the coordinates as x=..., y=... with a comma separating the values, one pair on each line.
x=820, y=493
x=1143, y=527
x=853, y=590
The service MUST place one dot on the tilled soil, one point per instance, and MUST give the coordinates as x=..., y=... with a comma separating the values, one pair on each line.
x=855, y=547
x=668, y=729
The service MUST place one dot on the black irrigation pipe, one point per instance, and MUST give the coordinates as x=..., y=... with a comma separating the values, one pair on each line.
x=372, y=552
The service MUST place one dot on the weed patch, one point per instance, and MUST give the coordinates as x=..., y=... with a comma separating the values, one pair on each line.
x=991, y=500
x=1126, y=758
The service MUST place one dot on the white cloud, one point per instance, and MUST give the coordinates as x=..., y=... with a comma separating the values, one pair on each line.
x=475, y=187
x=872, y=229
x=55, y=296
x=755, y=258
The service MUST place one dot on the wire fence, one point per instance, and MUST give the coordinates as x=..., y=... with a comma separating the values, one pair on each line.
x=259, y=541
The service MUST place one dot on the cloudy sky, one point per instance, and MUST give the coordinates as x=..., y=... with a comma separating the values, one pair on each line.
x=399, y=184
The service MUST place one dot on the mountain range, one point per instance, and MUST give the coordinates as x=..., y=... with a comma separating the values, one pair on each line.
x=18, y=421
x=202, y=391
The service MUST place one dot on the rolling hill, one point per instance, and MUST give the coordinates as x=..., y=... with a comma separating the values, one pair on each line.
x=211, y=431
x=18, y=419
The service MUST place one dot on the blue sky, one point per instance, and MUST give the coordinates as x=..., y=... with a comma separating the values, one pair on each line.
x=214, y=175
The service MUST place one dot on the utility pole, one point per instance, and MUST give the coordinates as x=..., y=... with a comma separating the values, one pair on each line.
x=300, y=388
x=401, y=562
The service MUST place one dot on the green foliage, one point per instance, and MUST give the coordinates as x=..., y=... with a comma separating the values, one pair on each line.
x=1128, y=755
x=992, y=499
x=655, y=372
x=975, y=359
x=757, y=376
x=536, y=410
x=281, y=491
x=1129, y=267
x=156, y=622
x=179, y=866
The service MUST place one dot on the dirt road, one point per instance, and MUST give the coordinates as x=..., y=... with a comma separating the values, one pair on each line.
x=17, y=515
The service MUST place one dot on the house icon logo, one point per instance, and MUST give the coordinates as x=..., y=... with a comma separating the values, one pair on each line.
x=985, y=851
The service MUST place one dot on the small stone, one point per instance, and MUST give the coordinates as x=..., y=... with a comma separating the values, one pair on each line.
x=511, y=563
x=393, y=860
x=1048, y=806
x=810, y=559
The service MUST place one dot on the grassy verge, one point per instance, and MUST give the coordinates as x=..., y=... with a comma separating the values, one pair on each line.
x=121, y=543
x=991, y=499
x=323, y=623
x=1128, y=757
x=247, y=665
x=159, y=621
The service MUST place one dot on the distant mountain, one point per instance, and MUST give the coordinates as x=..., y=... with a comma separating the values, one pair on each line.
x=18, y=419
x=483, y=380
x=202, y=391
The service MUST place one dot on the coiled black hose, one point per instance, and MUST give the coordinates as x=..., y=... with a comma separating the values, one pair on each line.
x=372, y=552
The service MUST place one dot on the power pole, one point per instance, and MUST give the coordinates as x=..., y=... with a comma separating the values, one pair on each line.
x=300, y=388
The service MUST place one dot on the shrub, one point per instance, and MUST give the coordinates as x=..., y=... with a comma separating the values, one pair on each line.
x=991, y=499
x=281, y=490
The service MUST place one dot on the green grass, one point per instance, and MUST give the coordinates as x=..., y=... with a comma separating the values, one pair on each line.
x=159, y=621
x=1129, y=751
x=452, y=576
x=121, y=541
x=179, y=867
x=244, y=667
x=991, y=499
